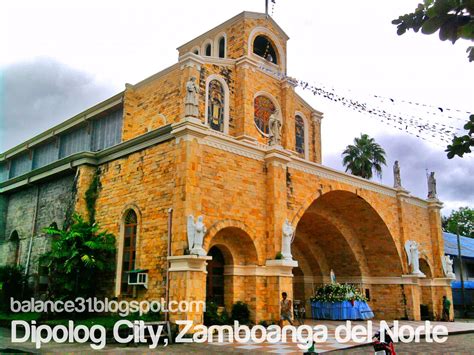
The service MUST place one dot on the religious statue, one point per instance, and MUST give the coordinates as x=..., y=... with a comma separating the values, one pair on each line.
x=287, y=239
x=196, y=231
x=448, y=266
x=413, y=255
x=191, y=103
x=274, y=129
x=332, y=276
x=397, y=181
x=432, y=186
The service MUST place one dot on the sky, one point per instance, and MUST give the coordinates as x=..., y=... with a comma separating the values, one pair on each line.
x=58, y=58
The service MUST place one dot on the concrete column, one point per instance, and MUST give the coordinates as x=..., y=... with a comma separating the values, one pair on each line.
x=276, y=161
x=434, y=207
x=316, y=117
x=280, y=280
x=288, y=114
x=187, y=193
x=188, y=283
x=402, y=196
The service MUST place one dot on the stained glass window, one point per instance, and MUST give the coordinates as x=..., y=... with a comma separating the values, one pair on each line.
x=129, y=248
x=215, y=106
x=263, y=108
x=299, y=135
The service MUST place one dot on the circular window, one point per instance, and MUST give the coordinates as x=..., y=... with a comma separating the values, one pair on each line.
x=263, y=108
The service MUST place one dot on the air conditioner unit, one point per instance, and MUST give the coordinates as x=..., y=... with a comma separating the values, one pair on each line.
x=138, y=277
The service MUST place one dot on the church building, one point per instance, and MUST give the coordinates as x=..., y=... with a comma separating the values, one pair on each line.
x=210, y=175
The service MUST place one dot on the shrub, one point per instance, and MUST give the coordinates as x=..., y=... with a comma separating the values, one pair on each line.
x=279, y=256
x=241, y=312
x=13, y=284
x=212, y=317
x=78, y=255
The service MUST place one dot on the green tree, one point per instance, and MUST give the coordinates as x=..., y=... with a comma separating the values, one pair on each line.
x=462, y=145
x=364, y=157
x=78, y=255
x=453, y=18
x=464, y=216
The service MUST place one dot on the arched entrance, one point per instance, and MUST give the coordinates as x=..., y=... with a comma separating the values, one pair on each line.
x=340, y=231
x=231, y=272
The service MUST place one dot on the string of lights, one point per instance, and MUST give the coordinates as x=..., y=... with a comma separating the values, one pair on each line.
x=429, y=131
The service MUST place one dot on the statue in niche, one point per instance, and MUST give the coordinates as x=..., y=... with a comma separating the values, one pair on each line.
x=191, y=102
x=397, y=181
x=287, y=239
x=432, y=186
x=413, y=255
x=332, y=276
x=196, y=231
x=274, y=129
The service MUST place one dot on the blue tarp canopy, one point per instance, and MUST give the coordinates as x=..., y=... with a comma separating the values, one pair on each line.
x=468, y=285
x=451, y=245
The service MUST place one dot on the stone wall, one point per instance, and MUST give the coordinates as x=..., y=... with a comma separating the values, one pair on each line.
x=28, y=212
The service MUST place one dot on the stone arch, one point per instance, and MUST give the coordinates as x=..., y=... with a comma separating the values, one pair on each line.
x=306, y=132
x=14, y=239
x=275, y=103
x=425, y=267
x=336, y=201
x=233, y=240
x=204, y=51
x=222, y=81
x=259, y=30
x=217, y=39
x=235, y=236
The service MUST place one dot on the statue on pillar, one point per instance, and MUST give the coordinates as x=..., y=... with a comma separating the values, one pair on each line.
x=287, y=239
x=196, y=231
x=448, y=266
x=432, y=186
x=191, y=102
x=274, y=129
x=397, y=181
x=413, y=255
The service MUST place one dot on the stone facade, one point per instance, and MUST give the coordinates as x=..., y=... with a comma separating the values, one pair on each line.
x=245, y=190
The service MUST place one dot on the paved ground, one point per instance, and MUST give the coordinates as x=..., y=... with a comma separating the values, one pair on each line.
x=458, y=342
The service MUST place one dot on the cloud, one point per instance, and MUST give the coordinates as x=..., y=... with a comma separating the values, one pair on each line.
x=41, y=93
x=455, y=184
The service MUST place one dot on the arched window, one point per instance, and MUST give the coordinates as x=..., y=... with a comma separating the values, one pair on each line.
x=222, y=47
x=129, y=248
x=263, y=108
x=15, y=239
x=208, y=50
x=196, y=51
x=263, y=47
x=300, y=136
x=216, y=105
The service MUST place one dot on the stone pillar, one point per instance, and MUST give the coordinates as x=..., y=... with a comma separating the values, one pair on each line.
x=402, y=196
x=280, y=280
x=413, y=296
x=187, y=193
x=316, y=117
x=434, y=216
x=243, y=102
x=288, y=114
x=84, y=179
x=276, y=161
x=188, y=283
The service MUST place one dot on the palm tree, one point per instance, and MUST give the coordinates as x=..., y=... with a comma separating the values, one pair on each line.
x=364, y=157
